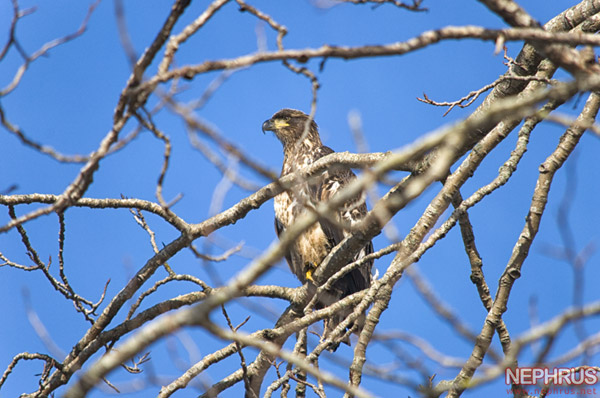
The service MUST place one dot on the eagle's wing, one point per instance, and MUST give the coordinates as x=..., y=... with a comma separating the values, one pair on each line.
x=331, y=183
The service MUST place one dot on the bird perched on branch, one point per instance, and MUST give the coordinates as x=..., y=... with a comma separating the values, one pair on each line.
x=301, y=147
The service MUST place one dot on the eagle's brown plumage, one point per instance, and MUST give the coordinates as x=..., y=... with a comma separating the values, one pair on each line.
x=301, y=147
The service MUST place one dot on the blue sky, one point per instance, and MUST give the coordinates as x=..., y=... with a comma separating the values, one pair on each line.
x=66, y=100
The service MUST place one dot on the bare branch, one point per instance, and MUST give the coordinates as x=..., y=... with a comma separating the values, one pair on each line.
x=415, y=6
x=513, y=268
x=399, y=48
x=28, y=59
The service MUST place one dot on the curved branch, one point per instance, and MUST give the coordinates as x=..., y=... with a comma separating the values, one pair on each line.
x=399, y=48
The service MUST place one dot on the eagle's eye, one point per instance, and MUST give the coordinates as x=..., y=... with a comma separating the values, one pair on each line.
x=287, y=118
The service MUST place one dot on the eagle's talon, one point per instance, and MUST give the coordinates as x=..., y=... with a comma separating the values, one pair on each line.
x=309, y=275
x=311, y=267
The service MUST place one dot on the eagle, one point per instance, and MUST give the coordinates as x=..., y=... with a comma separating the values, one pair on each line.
x=302, y=146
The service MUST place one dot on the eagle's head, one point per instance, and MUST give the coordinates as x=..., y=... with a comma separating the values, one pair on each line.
x=289, y=126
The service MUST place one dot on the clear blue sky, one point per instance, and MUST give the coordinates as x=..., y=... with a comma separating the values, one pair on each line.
x=66, y=100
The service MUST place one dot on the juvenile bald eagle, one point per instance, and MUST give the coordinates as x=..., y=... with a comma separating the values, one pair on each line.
x=300, y=149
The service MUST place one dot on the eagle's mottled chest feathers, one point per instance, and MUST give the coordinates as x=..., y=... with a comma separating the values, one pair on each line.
x=312, y=246
x=300, y=155
x=289, y=205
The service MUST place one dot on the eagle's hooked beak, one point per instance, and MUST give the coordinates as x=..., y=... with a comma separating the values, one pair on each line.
x=274, y=125
x=267, y=126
